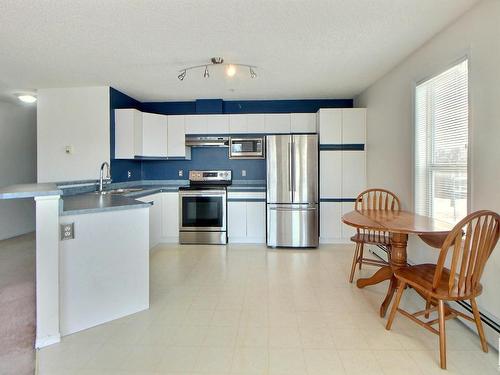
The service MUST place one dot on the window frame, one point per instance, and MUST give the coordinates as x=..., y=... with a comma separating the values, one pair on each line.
x=436, y=72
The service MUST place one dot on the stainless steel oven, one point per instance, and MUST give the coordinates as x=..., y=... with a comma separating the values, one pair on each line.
x=247, y=148
x=203, y=209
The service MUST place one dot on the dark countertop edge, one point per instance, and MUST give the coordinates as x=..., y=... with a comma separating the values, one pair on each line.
x=94, y=210
x=150, y=190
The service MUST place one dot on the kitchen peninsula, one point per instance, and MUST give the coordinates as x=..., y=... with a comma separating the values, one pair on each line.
x=100, y=275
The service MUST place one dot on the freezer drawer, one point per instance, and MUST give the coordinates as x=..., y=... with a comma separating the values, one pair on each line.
x=292, y=225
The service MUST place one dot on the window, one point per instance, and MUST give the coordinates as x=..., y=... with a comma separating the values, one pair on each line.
x=441, y=139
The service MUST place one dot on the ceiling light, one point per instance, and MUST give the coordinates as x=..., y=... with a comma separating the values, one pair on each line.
x=231, y=70
x=252, y=73
x=26, y=98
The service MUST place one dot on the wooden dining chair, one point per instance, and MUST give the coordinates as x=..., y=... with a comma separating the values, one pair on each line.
x=372, y=199
x=471, y=242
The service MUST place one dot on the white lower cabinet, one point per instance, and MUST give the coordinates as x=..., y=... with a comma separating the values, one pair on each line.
x=155, y=218
x=256, y=222
x=330, y=230
x=246, y=222
x=170, y=222
x=236, y=221
x=163, y=217
x=347, y=230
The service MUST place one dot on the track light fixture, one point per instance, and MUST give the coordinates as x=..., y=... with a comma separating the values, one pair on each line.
x=182, y=75
x=252, y=73
x=230, y=68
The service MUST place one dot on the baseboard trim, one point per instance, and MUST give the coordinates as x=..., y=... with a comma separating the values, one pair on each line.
x=246, y=240
x=334, y=241
x=42, y=342
x=492, y=328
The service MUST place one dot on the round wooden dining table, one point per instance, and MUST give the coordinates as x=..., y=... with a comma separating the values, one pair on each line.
x=399, y=224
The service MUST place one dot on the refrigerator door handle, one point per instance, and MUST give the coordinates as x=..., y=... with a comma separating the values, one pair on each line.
x=292, y=209
x=290, y=167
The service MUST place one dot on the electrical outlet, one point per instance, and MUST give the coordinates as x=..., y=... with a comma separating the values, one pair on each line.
x=67, y=231
x=129, y=174
x=243, y=173
x=181, y=173
x=68, y=149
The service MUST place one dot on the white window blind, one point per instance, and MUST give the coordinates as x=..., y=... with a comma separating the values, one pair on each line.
x=441, y=138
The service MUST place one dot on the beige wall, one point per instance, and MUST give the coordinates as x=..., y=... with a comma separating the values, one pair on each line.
x=76, y=117
x=390, y=122
x=17, y=166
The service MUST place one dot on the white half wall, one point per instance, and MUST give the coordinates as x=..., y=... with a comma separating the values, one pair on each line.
x=17, y=165
x=391, y=127
x=77, y=118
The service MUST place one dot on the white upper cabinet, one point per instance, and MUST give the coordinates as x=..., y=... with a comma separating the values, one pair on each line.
x=217, y=124
x=277, y=123
x=151, y=137
x=303, y=122
x=196, y=124
x=176, y=138
x=354, y=126
x=238, y=124
x=256, y=123
x=126, y=120
x=330, y=126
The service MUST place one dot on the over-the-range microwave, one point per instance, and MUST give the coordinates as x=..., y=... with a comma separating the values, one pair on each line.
x=247, y=148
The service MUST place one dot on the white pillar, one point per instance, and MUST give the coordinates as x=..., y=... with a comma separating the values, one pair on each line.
x=47, y=270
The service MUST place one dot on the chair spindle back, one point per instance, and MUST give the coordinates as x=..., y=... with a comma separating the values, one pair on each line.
x=472, y=241
x=376, y=199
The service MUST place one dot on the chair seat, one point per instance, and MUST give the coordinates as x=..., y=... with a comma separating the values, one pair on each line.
x=371, y=239
x=421, y=277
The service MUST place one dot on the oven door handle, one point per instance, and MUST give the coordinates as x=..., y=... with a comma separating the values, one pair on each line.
x=202, y=194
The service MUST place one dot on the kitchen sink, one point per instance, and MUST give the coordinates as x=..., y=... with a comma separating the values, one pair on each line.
x=120, y=191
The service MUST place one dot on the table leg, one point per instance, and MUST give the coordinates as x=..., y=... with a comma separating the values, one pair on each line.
x=384, y=273
x=397, y=260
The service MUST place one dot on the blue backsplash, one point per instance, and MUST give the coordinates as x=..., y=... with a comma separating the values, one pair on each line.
x=201, y=157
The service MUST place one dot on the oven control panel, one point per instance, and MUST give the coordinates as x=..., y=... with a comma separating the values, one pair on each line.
x=213, y=176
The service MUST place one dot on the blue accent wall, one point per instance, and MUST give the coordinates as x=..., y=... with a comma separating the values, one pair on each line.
x=120, y=168
x=211, y=106
x=204, y=158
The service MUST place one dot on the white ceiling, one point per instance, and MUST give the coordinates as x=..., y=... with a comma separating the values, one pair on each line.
x=304, y=49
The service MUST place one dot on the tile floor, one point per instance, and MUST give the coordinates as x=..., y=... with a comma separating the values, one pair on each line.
x=247, y=310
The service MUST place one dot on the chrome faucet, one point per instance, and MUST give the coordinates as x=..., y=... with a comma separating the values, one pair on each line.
x=108, y=174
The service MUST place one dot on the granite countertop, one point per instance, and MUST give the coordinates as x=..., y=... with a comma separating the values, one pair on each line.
x=29, y=191
x=89, y=202
x=94, y=202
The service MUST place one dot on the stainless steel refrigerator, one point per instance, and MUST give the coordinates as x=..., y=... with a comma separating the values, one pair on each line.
x=292, y=190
